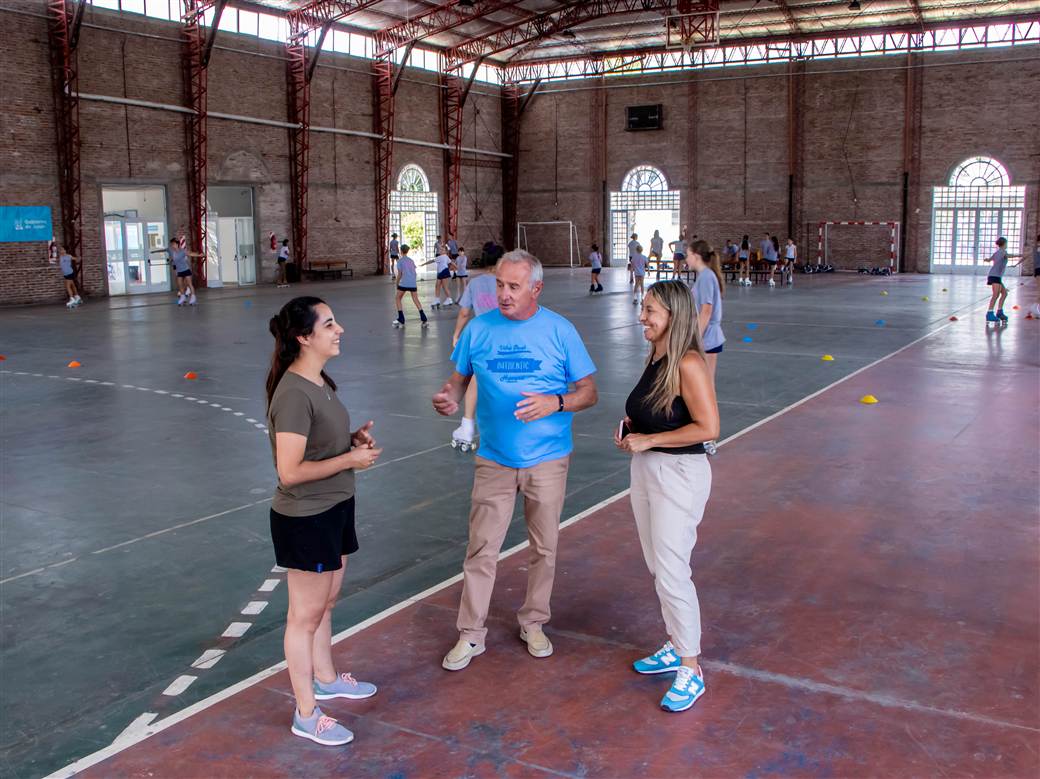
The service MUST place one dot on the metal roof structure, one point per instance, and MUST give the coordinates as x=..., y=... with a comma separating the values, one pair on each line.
x=539, y=30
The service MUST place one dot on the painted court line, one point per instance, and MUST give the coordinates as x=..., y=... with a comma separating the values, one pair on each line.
x=180, y=684
x=236, y=630
x=254, y=607
x=268, y=585
x=190, y=711
x=208, y=659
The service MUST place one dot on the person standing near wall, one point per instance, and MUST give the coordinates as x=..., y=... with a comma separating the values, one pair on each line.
x=656, y=247
x=678, y=249
x=670, y=413
x=767, y=251
x=633, y=247
x=461, y=272
x=283, y=260
x=67, y=264
x=744, y=263
x=639, y=262
x=524, y=357
x=312, y=513
x=394, y=252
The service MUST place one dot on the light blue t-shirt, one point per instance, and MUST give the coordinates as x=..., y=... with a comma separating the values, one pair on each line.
x=65, y=261
x=543, y=354
x=596, y=260
x=639, y=262
x=999, y=260
x=706, y=291
x=768, y=250
x=481, y=294
x=179, y=258
x=395, y=247
x=406, y=272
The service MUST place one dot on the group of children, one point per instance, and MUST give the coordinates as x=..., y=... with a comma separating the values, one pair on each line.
x=451, y=263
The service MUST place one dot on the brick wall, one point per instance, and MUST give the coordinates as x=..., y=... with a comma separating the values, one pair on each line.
x=725, y=146
x=139, y=58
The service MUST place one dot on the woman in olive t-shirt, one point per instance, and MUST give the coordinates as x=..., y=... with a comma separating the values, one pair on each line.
x=312, y=514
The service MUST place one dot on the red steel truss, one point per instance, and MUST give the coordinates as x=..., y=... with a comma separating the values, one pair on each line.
x=936, y=36
x=452, y=103
x=198, y=45
x=545, y=24
x=315, y=17
x=65, y=18
x=383, y=116
x=440, y=19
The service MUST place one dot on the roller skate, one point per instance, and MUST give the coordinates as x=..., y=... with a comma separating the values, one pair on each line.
x=180, y=300
x=991, y=317
x=462, y=438
x=592, y=289
x=599, y=288
x=1001, y=315
x=399, y=322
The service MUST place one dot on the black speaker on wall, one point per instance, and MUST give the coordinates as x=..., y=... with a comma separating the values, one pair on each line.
x=644, y=117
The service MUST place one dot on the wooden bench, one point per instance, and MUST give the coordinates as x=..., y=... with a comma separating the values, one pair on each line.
x=328, y=269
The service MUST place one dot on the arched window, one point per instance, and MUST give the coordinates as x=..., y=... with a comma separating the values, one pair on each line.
x=980, y=172
x=644, y=178
x=412, y=179
x=978, y=206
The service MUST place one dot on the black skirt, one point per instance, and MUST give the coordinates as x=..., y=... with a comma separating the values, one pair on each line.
x=315, y=543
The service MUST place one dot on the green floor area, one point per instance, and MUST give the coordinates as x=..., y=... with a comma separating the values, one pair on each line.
x=134, y=523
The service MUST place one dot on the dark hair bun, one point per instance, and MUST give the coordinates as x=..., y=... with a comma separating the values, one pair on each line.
x=274, y=326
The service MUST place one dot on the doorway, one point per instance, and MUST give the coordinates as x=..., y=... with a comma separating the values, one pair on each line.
x=135, y=234
x=644, y=204
x=413, y=216
x=231, y=237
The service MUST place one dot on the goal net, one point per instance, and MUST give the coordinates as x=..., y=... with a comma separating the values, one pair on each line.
x=854, y=245
x=554, y=243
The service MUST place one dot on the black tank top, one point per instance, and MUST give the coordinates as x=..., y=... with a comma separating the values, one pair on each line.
x=646, y=420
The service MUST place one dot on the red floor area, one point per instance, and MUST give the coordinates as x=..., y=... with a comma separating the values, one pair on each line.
x=869, y=583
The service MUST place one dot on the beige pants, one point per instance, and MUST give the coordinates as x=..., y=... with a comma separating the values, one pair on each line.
x=494, y=495
x=669, y=492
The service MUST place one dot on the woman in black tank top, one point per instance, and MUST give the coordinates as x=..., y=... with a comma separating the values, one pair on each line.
x=670, y=413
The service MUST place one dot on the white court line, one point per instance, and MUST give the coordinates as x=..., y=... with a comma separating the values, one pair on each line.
x=236, y=630
x=113, y=749
x=131, y=730
x=208, y=659
x=254, y=607
x=268, y=585
x=180, y=684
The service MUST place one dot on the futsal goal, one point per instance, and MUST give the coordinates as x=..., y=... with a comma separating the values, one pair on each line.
x=856, y=244
x=554, y=243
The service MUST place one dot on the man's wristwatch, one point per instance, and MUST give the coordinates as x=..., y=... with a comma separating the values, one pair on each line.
x=560, y=398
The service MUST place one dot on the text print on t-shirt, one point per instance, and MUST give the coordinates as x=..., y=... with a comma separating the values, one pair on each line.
x=511, y=365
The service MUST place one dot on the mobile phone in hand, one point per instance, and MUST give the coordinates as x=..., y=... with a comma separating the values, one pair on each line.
x=622, y=429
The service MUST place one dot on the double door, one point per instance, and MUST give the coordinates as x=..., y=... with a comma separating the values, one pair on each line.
x=231, y=249
x=132, y=268
x=970, y=236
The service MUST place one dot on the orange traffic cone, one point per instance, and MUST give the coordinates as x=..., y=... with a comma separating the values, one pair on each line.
x=73, y=364
x=191, y=375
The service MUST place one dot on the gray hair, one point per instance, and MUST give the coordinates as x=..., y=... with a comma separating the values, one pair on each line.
x=519, y=255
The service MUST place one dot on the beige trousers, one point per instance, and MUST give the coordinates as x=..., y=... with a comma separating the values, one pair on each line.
x=669, y=492
x=494, y=495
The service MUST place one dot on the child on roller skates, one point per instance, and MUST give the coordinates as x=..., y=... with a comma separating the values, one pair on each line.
x=481, y=296
x=406, y=282
x=995, y=279
x=596, y=261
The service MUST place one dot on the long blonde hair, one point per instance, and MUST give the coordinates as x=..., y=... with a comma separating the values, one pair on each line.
x=684, y=335
x=711, y=259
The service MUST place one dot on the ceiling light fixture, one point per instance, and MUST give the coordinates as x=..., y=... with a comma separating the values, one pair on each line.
x=854, y=5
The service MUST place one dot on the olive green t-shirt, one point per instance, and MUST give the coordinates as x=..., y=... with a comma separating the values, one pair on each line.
x=301, y=406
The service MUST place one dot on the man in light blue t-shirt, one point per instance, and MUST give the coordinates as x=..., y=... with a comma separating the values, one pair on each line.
x=525, y=358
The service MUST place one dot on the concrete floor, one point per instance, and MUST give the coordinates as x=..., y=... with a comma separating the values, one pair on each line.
x=135, y=522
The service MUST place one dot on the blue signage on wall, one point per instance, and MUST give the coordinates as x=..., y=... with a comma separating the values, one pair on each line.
x=25, y=223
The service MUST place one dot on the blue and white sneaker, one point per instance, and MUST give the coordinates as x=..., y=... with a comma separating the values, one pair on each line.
x=345, y=686
x=685, y=691
x=662, y=661
x=321, y=729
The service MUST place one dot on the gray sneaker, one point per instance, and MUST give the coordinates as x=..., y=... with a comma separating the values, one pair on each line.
x=320, y=729
x=345, y=686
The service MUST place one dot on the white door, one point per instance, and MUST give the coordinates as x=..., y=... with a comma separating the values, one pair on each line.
x=245, y=250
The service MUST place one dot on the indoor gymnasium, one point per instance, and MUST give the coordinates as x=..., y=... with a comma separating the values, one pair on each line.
x=465, y=388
